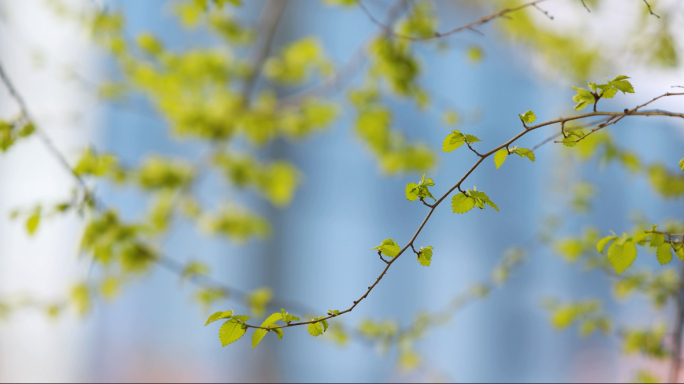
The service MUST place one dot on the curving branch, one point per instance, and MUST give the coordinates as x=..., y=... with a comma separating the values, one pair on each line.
x=167, y=263
x=41, y=134
x=438, y=35
x=527, y=130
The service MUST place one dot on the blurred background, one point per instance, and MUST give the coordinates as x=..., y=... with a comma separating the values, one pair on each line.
x=318, y=252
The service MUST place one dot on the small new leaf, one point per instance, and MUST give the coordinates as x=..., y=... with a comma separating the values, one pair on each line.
x=260, y=333
x=411, y=191
x=481, y=198
x=524, y=152
x=32, y=222
x=663, y=254
x=218, y=316
x=681, y=164
x=315, y=329
x=231, y=331
x=621, y=256
x=471, y=139
x=454, y=140
x=279, y=332
x=528, y=117
x=500, y=156
x=462, y=203
x=425, y=256
x=601, y=245
x=583, y=98
x=388, y=248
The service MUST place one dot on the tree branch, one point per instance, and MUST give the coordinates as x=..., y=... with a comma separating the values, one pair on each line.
x=437, y=35
x=458, y=186
x=41, y=134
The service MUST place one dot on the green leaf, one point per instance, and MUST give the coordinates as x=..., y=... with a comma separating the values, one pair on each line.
x=528, y=117
x=315, y=329
x=622, y=84
x=260, y=333
x=569, y=141
x=241, y=318
x=481, y=198
x=279, y=332
x=471, y=139
x=524, y=152
x=33, y=221
x=601, y=245
x=621, y=256
x=27, y=130
x=425, y=256
x=462, y=203
x=411, y=192
x=583, y=98
x=500, y=156
x=663, y=254
x=258, y=336
x=680, y=252
x=454, y=140
x=388, y=248
x=639, y=237
x=681, y=164
x=218, y=316
x=657, y=239
x=609, y=93
x=231, y=331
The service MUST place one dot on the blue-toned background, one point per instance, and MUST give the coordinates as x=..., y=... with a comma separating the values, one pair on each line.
x=319, y=255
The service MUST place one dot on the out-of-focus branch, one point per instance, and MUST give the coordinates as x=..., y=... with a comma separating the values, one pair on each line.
x=41, y=134
x=271, y=14
x=438, y=35
x=650, y=10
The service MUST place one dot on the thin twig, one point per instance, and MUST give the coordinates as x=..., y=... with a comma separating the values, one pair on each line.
x=585, y=6
x=437, y=35
x=458, y=186
x=546, y=13
x=39, y=131
x=563, y=130
x=650, y=10
x=348, y=70
x=619, y=116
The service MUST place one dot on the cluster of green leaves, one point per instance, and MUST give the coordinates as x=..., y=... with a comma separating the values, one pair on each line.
x=388, y=248
x=456, y=139
x=374, y=126
x=668, y=184
x=622, y=250
x=11, y=131
x=588, y=314
x=277, y=181
x=585, y=97
x=465, y=201
x=502, y=154
x=232, y=329
x=420, y=190
x=297, y=62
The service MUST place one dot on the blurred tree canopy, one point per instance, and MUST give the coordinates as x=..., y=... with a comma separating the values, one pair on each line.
x=236, y=94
